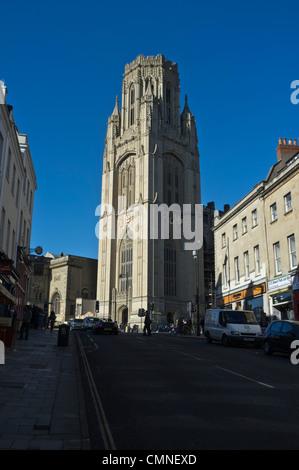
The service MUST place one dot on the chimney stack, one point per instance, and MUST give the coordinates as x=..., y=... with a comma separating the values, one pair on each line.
x=286, y=150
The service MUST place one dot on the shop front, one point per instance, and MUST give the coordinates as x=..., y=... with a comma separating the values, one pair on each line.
x=281, y=298
x=250, y=298
x=7, y=301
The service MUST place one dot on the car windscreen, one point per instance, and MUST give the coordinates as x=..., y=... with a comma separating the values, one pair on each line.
x=240, y=318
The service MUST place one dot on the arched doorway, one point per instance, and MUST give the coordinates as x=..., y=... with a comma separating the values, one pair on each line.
x=56, y=304
x=124, y=316
x=170, y=318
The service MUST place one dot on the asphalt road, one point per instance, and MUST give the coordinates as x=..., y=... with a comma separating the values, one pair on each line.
x=172, y=393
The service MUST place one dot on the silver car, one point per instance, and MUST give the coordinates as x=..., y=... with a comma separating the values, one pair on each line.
x=88, y=322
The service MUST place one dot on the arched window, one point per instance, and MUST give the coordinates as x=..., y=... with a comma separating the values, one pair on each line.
x=56, y=303
x=132, y=106
x=170, y=268
x=126, y=261
x=168, y=105
x=127, y=186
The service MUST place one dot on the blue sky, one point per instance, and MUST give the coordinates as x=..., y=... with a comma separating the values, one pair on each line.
x=62, y=63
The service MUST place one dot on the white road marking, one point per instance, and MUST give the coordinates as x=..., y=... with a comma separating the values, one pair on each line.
x=245, y=377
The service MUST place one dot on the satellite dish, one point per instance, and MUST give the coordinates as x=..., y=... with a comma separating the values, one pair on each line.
x=38, y=250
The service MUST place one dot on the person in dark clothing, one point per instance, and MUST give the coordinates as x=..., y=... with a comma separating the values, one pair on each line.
x=52, y=319
x=27, y=317
x=147, y=325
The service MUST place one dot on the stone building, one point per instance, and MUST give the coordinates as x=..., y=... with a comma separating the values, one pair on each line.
x=17, y=189
x=63, y=283
x=151, y=158
x=209, y=252
x=257, y=243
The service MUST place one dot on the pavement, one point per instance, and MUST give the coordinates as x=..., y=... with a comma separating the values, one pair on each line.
x=41, y=400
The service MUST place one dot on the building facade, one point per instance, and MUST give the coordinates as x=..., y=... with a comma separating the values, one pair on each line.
x=151, y=158
x=257, y=243
x=65, y=284
x=17, y=189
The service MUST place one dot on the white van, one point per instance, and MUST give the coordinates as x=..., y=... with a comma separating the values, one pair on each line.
x=232, y=327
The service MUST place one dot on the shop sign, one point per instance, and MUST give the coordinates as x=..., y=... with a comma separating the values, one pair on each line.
x=5, y=267
x=279, y=283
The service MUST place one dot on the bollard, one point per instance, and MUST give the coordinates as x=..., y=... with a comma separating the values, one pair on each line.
x=63, y=335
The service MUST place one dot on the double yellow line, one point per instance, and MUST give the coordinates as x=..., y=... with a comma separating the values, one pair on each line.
x=100, y=414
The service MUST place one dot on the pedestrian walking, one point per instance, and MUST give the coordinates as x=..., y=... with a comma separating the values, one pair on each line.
x=147, y=325
x=27, y=316
x=52, y=319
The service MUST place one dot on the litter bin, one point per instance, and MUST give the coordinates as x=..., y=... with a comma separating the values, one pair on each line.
x=63, y=335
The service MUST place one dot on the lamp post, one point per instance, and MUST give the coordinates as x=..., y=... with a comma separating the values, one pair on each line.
x=195, y=256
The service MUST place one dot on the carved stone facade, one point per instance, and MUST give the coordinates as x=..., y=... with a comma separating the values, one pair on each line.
x=150, y=157
x=63, y=283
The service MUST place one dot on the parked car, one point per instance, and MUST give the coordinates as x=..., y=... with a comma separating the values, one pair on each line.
x=279, y=335
x=232, y=327
x=105, y=327
x=76, y=324
x=88, y=322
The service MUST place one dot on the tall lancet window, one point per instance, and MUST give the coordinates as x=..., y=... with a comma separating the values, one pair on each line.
x=168, y=107
x=132, y=106
x=170, y=268
x=126, y=260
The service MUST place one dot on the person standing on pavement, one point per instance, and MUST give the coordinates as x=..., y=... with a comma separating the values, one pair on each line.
x=52, y=319
x=27, y=316
x=147, y=324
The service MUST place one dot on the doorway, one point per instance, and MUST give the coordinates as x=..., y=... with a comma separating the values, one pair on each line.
x=124, y=316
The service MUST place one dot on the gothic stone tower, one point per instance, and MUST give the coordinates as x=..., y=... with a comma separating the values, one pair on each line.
x=151, y=157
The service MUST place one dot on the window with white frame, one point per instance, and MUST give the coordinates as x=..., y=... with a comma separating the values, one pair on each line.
x=273, y=212
x=8, y=165
x=237, y=271
x=8, y=237
x=244, y=225
x=257, y=259
x=277, y=260
x=225, y=273
x=292, y=251
x=235, y=232
x=287, y=203
x=13, y=180
x=223, y=238
x=246, y=264
x=254, y=218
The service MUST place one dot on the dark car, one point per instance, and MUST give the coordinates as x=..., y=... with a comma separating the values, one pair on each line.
x=105, y=327
x=279, y=336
